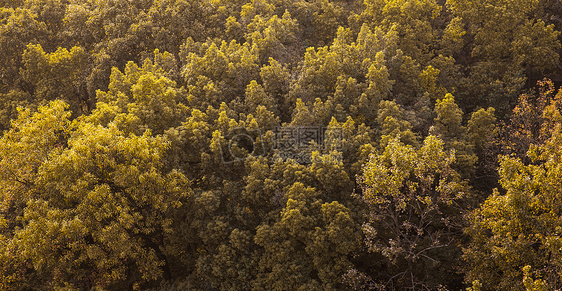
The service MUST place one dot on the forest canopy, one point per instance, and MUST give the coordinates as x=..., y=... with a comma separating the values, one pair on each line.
x=280, y=145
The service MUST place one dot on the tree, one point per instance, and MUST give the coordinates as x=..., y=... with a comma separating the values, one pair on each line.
x=34, y=136
x=307, y=247
x=276, y=79
x=351, y=73
x=515, y=234
x=448, y=126
x=112, y=32
x=141, y=98
x=506, y=46
x=57, y=75
x=529, y=123
x=11, y=101
x=481, y=128
x=18, y=28
x=173, y=21
x=415, y=201
x=96, y=207
x=273, y=38
x=354, y=141
x=415, y=22
x=226, y=68
x=236, y=145
x=482, y=132
x=50, y=12
x=393, y=124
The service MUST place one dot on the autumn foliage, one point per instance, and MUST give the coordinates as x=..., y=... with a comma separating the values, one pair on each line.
x=284, y=145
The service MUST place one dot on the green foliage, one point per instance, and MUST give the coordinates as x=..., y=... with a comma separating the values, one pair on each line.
x=141, y=98
x=413, y=20
x=90, y=204
x=11, y=101
x=50, y=12
x=354, y=141
x=482, y=134
x=18, y=27
x=481, y=128
x=276, y=144
x=415, y=203
x=172, y=21
x=310, y=240
x=348, y=68
x=253, y=234
x=256, y=97
x=532, y=120
x=57, y=75
x=393, y=126
x=272, y=37
x=509, y=45
x=519, y=227
x=448, y=125
x=25, y=147
x=223, y=70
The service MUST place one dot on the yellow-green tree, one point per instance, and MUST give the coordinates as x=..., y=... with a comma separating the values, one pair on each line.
x=91, y=209
x=219, y=72
x=504, y=45
x=57, y=75
x=18, y=28
x=448, y=126
x=415, y=21
x=515, y=234
x=351, y=73
x=141, y=98
x=415, y=199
